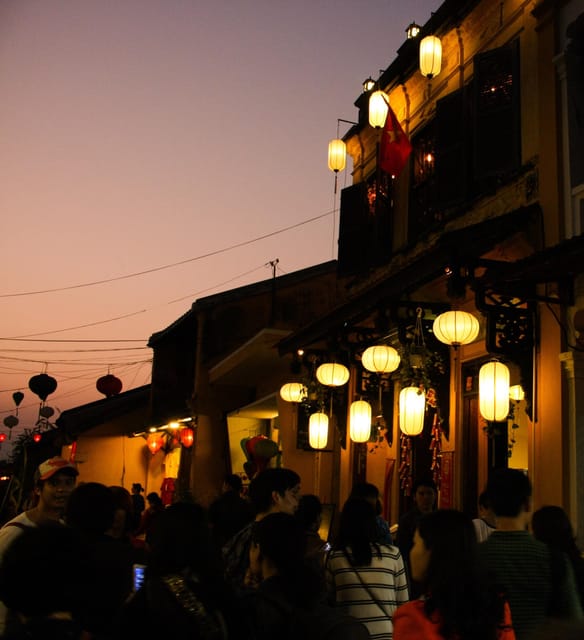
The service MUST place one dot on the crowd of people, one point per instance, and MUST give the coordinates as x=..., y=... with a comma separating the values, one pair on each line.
x=84, y=564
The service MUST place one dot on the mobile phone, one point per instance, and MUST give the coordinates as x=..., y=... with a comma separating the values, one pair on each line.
x=138, y=571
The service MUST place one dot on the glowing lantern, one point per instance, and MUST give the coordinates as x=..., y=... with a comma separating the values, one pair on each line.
x=430, y=56
x=332, y=374
x=154, y=442
x=368, y=84
x=360, y=421
x=378, y=108
x=42, y=385
x=37, y=437
x=337, y=155
x=380, y=359
x=318, y=425
x=293, y=392
x=412, y=407
x=516, y=393
x=456, y=327
x=494, y=391
x=2, y=437
x=187, y=437
x=109, y=385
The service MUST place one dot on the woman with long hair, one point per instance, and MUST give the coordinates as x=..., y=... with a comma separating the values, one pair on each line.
x=365, y=578
x=457, y=601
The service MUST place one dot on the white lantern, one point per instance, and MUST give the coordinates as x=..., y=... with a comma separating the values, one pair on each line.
x=456, y=327
x=430, y=56
x=412, y=408
x=293, y=392
x=494, y=391
x=378, y=108
x=360, y=421
x=332, y=374
x=337, y=155
x=318, y=425
x=380, y=359
x=516, y=393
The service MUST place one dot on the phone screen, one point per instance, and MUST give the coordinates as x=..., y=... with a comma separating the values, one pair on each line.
x=138, y=571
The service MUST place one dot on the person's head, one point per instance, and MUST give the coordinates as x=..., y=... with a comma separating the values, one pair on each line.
x=367, y=491
x=424, y=493
x=54, y=480
x=485, y=510
x=232, y=482
x=137, y=488
x=509, y=492
x=357, y=530
x=551, y=525
x=275, y=490
x=154, y=500
x=91, y=508
x=124, y=511
x=309, y=512
x=278, y=545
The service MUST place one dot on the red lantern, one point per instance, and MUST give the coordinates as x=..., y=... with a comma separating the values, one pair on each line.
x=109, y=385
x=187, y=437
x=2, y=437
x=154, y=442
x=37, y=437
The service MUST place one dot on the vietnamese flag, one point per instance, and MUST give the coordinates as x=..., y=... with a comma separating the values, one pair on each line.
x=395, y=147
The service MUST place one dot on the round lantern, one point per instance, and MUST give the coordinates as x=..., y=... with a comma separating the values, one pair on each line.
x=154, y=442
x=332, y=374
x=456, y=327
x=380, y=359
x=187, y=437
x=109, y=385
x=42, y=385
x=516, y=393
x=378, y=108
x=293, y=392
x=430, y=56
x=2, y=437
x=494, y=391
x=318, y=425
x=412, y=407
x=46, y=412
x=337, y=155
x=10, y=421
x=37, y=437
x=360, y=421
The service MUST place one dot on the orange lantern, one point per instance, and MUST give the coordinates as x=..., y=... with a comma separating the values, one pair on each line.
x=154, y=442
x=187, y=437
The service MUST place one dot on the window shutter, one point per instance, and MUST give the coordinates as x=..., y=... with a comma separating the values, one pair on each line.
x=353, y=229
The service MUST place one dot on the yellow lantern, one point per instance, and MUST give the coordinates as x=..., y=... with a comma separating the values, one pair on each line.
x=516, y=393
x=412, y=408
x=494, y=391
x=332, y=374
x=318, y=425
x=337, y=155
x=380, y=358
x=378, y=108
x=430, y=56
x=456, y=327
x=293, y=392
x=360, y=421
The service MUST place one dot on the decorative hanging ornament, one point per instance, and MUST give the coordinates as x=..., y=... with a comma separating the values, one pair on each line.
x=154, y=442
x=318, y=425
x=494, y=391
x=293, y=392
x=456, y=328
x=380, y=358
x=187, y=437
x=18, y=397
x=332, y=374
x=109, y=385
x=360, y=421
x=37, y=437
x=2, y=437
x=42, y=385
x=46, y=412
x=412, y=407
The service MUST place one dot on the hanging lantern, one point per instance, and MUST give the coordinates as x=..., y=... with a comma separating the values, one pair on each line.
x=18, y=397
x=456, y=327
x=187, y=437
x=109, y=385
x=378, y=108
x=516, y=393
x=37, y=437
x=412, y=407
x=412, y=30
x=368, y=84
x=2, y=437
x=318, y=425
x=494, y=391
x=380, y=358
x=337, y=155
x=430, y=56
x=42, y=385
x=293, y=392
x=10, y=421
x=46, y=412
x=360, y=421
x=154, y=442
x=332, y=374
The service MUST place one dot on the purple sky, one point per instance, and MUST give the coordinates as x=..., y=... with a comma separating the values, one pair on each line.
x=141, y=133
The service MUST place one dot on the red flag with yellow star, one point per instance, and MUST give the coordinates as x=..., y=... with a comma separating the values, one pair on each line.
x=395, y=148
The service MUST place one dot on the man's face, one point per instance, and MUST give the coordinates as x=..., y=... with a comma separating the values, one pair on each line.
x=55, y=491
x=287, y=503
x=425, y=498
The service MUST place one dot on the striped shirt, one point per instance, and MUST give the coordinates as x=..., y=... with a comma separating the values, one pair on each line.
x=370, y=593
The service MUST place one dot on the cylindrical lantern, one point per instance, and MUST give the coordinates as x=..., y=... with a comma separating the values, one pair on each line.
x=456, y=328
x=378, y=108
x=516, y=393
x=337, y=155
x=494, y=391
x=380, y=358
x=360, y=421
x=430, y=56
x=293, y=392
x=332, y=374
x=318, y=425
x=187, y=437
x=412, y=407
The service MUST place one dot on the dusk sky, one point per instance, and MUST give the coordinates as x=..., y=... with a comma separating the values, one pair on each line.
x=136, y=134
